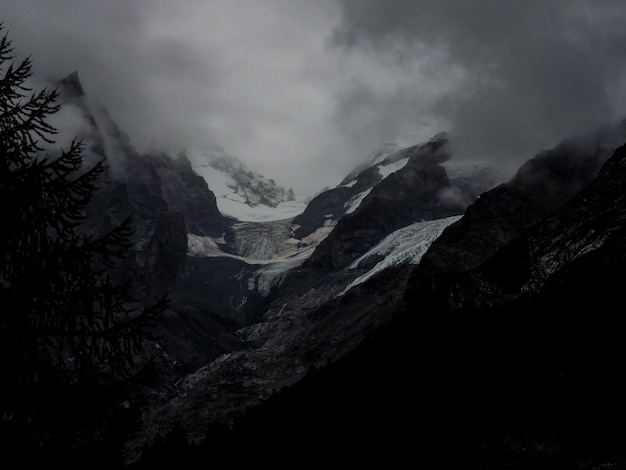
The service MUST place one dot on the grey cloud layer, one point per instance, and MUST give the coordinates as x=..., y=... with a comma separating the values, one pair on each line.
x=529, y=73
x=303, y=90
x=251, y=76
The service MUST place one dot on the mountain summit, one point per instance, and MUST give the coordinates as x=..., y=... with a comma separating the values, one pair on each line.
x=242, y=193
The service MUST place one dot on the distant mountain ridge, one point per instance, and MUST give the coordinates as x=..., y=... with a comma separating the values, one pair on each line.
x=343, y=243
x=410, y=247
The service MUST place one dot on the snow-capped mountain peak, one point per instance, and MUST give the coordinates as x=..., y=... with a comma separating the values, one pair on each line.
x=394, y=152
x=401, y=139
x=240, y=192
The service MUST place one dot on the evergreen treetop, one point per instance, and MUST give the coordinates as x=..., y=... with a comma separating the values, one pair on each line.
x=66, y=324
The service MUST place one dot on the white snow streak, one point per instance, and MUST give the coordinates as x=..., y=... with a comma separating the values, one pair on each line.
x=404, y=246
x=355, y=201
x=386, y=170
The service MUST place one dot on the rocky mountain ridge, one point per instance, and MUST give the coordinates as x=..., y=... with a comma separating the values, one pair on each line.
x=514, y=362
x=398, y=235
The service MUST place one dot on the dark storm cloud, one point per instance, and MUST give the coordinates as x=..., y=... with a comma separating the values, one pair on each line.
x=138, y=73
x=302, y=91
x=247, y=75
x=526, y=74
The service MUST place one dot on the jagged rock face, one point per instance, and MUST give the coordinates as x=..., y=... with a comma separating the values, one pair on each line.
x=235, y=331
x=166, y=200
x=244, y=185
x=534, y=327
x=71, y=87
x=205, y=313
x=533, y=335
x=396, y=189
x=498, y=367
x=540, y=186
x=539, y=320
x=333, y=204
x=412, y=193
x=517, y=363
x=315, y=315
x=187, y=192
x=585, y=235
x=159, y=237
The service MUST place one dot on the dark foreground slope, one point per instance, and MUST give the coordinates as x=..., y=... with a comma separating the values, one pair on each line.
x=516, y=363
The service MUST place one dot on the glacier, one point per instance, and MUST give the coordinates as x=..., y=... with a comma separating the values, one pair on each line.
x=405, y=245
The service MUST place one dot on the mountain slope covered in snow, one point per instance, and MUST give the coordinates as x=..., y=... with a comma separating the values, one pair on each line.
x=240, y=192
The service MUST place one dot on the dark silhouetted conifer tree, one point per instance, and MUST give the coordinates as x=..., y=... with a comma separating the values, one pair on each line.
x=68, y=330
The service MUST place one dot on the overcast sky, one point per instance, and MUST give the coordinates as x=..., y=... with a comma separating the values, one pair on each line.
x=303, y=90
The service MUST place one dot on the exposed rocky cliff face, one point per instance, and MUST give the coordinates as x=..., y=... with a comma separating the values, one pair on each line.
x=540, y=186
x=411, y=193
x=240, y=183
x=513, y=363
x=408, y=270
x=167, y=201
x=569, y=259
x=535, y=329
x=313, y=317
